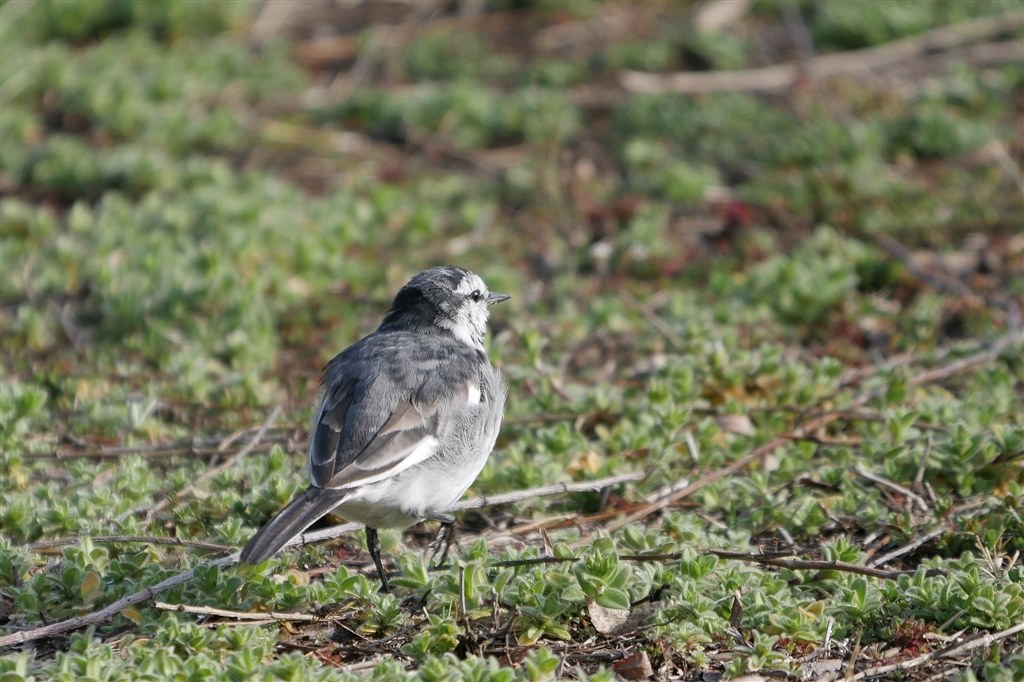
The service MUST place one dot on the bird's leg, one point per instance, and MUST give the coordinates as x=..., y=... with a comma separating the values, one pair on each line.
x=442, y=542
x=373, y=545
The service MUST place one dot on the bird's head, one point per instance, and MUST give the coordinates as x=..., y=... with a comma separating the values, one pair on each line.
x=448, y=299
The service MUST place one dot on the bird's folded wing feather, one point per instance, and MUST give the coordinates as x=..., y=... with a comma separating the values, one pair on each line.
x=373, y=425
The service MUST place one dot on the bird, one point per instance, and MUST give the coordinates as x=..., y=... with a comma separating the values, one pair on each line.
x=405, y=420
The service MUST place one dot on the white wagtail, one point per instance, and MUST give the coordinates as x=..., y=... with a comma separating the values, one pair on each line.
x=407, y=418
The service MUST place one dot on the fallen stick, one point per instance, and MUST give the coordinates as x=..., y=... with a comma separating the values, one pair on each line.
x=129, y=539
x=776, y=561
x=484, y=501
x=969, y=644
x=995, y=348
x=909, y=547
x=814, y=565
x=145, y=594
x=151, y=511
x=709, y=478
x=110, y=611
x=204, y=447
x=240, y=615
x=783, y=76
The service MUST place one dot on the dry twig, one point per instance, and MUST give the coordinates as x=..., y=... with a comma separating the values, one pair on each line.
x=483, y=501
x=892, y=485
x=209, y=473
x=200, y=447
x=108, y=612
x=652, y=317
x=812, y=565
x=775, y=560
x=239, y=615
x=783, y=76
x=993, y=351
x=909, y=547
x=116, y=539
x=969, y=644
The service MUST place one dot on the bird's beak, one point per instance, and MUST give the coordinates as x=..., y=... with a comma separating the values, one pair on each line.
x=493, y=298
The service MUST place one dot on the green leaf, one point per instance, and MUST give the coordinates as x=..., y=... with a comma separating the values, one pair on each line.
x=613, y=598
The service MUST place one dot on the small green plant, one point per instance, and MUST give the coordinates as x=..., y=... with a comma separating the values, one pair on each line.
x=602, y=576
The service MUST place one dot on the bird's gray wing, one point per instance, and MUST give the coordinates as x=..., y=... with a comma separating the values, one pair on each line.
x=386, y=401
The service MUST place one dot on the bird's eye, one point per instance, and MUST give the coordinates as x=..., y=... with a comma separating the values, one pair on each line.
x=476, y=295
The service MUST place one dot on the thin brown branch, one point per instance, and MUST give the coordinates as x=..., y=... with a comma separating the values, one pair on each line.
x=909, y=547
x=209, y=473
x=239, y=615
x=652, y=317
x=948, y=283
x=994, y=350
x=892, y=485
x=862, y=414
x=709, y=478
x=783, y=76
x=540, y=419
x=128, y=539
x=939, y=281
x=810, y=426
x=108, y=612
x=868, y=415
x=969, y=644
x=204, y=447
x=827, y=440
x=780, y=560
x=483, y=501
x=813, y=565
x=547, y=490
x=303, y=539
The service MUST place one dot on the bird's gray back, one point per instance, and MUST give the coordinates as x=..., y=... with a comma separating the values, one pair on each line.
x=364, y=384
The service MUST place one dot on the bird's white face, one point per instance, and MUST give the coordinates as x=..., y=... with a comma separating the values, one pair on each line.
x=469, y=311
x=449, y=297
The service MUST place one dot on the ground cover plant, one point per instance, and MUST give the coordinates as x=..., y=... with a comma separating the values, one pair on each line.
x=764, y=347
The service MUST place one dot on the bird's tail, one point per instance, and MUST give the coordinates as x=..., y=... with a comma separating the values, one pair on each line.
x=300, y=514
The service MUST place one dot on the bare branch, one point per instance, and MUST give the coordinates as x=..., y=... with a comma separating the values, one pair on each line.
x=910, y=547
x=969, y=644
x=780, y=560
x=116, y=539
x=892, y=485
x=209, y=473
x=812, y=565
x=995, y=348
x=783, y=76
x=240, y=615
x=544, y=491
x=199, y=447
x=108, y=612
x=484, y=501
